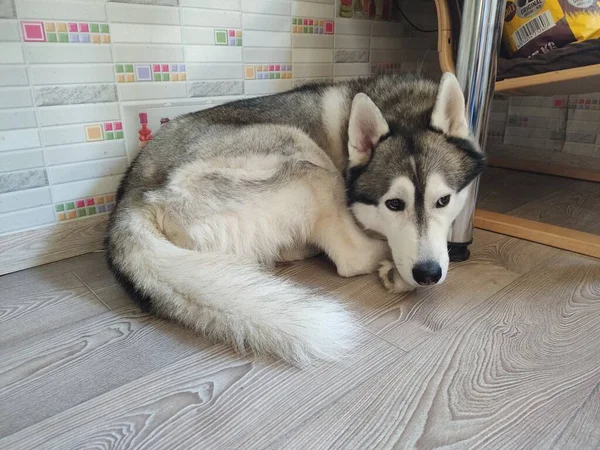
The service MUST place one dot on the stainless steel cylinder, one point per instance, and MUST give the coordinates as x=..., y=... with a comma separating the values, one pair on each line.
x=480, y=34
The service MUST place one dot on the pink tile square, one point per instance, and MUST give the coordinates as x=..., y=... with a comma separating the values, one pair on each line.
x=89, y=201
x=165, y=67
x=231, y=33
x=84, y=28
x=558, y=103
x=33, y=31
x=118, y=126
x=310, y=21
x=108, y=126
x=329, y=27
x=73, y=27
x=79, y=204
x=305, y=22
x=277, y=67
x=155, y=67
x=271, y=68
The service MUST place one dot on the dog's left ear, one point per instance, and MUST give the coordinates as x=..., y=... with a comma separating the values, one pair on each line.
x=365, y=129
x=448, y=114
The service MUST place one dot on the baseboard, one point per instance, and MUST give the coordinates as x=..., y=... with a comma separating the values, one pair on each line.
x=45, y=245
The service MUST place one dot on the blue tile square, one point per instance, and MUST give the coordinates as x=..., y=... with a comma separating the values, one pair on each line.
x=232, y=42
x=143, y=72
x=84, y=38
x=173, y=68
x=182, y=67
x=73, y=37
x=101, y=208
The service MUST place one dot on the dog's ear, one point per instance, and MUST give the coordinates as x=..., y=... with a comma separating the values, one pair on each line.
x=448, y=114
x=365, y=129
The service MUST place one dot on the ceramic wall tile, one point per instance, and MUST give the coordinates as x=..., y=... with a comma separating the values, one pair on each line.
x=8, y=9
x=24, y=179
x=73, y=95
x=30, y=198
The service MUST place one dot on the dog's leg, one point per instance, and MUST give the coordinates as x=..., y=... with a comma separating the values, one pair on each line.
x=391, y=278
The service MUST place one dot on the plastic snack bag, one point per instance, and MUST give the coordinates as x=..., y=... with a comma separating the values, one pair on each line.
x=539, y=26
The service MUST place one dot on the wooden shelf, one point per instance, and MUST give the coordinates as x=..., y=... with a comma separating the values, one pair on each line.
x=579, y=80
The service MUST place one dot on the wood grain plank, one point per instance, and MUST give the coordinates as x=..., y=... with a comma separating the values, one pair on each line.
x=53, y=371
x=548, y=168
x=490, y=268
x=503, y=190
x=576, y=207
x=207, y=400
x=28, y=309
x=515, y=372
x=559, y=237
x=44, y=245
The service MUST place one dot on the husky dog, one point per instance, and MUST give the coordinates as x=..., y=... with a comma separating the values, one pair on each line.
x=220, y=194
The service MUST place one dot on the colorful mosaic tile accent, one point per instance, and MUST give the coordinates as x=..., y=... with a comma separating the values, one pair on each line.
x=587, y=103
x=383, y=68
x=65, y=32
x=231, y=38
x=131, y=73
x=106, y=131
x=312, y=26
x=268, y=72
x=83, y=207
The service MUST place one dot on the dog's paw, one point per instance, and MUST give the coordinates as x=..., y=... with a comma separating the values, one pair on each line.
x=391, y=279
x=363, y=260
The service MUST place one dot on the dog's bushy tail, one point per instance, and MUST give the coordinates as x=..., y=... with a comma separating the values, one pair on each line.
x=223, y=297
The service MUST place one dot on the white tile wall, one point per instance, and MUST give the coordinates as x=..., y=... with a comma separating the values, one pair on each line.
x=79, y=136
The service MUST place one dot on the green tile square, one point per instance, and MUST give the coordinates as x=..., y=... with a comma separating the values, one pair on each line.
x=294, y=21
x=118, y=135
x=305, y=30
x=238, y=42
x=271, y=76
x=63, y=37
x=157, y=77
x=81, y=212
x=51, y=37
x=104, y=28
x=221, y=37
x=70, y=206
x=108, y=135
x=91, y=210
x=119, y=68
x=94, y=28
x=60, y=208
x=128, y=68
x=165, y=77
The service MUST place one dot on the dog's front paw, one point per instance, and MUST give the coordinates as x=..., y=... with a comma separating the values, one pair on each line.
x=391, y=279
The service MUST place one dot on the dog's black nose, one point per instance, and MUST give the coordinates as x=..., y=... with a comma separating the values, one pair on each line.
x=427, y=273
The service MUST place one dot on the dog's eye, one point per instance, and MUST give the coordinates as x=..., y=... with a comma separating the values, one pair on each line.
x=395, y=204
x=442, y=201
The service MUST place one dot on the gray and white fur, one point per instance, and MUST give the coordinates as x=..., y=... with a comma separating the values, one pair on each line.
x=222, y=194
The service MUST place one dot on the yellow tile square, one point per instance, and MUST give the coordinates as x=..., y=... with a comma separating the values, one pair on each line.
x=61, y=27
x=120, y=78
x=106, y=39
x=95, y=39
x=294, y=29
x=174, y=77
x=129, y=78
x=72, y=215
x=250, y=73
x=99, y=200
x=50, y=26
x=182, y=77
x=238, y=33
x=61, y=217
x=109, y=197
x=93, y=133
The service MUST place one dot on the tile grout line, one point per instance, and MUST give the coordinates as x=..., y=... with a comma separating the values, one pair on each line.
x=91, y=290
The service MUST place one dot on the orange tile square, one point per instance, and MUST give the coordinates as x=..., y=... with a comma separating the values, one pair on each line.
x=109, y=197
x=250, y=73
x=120, y=78
x=174, y=77
x=95, y=39
x=129, y=78
x=106, y=39
x=93, y=133
x=50, y=26
x=61, y=27
x=61, y=216
x=182, y=76
x=99, y=200
x=72, y=215
x=238, y=33
x=294, y=29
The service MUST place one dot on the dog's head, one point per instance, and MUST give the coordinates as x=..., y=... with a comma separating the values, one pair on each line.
x=409, y=165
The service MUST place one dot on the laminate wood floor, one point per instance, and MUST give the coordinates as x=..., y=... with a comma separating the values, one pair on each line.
x=549, y=199
x=504, y=355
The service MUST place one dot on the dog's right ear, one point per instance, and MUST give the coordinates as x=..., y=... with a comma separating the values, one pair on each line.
x=365, y=129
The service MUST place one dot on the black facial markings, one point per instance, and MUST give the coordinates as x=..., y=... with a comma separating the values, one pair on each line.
x=478, y=158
